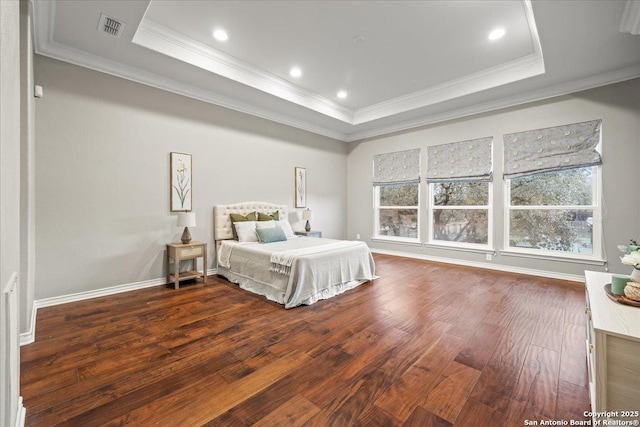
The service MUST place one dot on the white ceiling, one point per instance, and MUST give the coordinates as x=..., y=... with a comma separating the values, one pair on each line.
x=403, y=64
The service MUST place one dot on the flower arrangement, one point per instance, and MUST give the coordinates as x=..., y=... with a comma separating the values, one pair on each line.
x=634, y=246
x=631, y=257
x=631, y=254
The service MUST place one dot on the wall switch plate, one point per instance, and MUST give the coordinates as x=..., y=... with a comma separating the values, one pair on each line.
x=489, y=257
x=358, y=236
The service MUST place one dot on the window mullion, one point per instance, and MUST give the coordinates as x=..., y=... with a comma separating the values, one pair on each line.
x=460, y=207
x=554, y=207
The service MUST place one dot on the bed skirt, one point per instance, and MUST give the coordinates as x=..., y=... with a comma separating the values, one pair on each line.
x=274, y=294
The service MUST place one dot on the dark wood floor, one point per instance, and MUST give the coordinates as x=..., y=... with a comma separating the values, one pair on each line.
x=427, y=344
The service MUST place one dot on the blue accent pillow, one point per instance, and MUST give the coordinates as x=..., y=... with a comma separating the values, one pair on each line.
x=270, y=235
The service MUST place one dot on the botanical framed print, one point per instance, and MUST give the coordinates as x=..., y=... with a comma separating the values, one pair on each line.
x=181, y=182
x=301, y=187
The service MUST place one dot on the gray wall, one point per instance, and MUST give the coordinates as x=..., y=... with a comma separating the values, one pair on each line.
x=617, y=105
x=9, y=201
x=103, y=145
x=102, y=176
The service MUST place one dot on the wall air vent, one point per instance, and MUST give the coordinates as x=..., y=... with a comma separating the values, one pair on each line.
x=110, y=26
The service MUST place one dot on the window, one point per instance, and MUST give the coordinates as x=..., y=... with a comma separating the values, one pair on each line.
x=554, y=212
x=397, y=210
x=460, y=213
x=552, y=182
x=396, y=195
x=460, y=192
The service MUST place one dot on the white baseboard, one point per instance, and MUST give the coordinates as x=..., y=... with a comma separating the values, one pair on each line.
x=506, y=268
x=29, y=336
x=80, y=296
x=21, y=413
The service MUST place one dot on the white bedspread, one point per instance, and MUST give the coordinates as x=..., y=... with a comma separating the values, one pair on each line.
x=317, y=268
x=281, y=261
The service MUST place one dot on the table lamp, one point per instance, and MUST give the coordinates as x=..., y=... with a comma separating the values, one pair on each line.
x=186, y=220
x=306, y=214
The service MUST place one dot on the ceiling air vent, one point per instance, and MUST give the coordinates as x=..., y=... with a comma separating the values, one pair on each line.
x=110, y=25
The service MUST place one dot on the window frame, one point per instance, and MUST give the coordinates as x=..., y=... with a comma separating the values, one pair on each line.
x=376, y=217
x=431, y=207
x=596, y=207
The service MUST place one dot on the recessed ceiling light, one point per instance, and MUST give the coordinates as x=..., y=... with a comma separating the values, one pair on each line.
x=496, y=34
x=342, y=94
x=295, y=72
x=220, y=35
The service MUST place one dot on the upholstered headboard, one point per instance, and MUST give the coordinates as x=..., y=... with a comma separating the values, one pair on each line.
x=222, y=221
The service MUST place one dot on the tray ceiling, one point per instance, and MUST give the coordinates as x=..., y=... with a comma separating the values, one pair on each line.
x=401, y=64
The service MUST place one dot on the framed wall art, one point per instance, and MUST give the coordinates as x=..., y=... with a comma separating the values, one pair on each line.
x=181, y=182
x=301, y=187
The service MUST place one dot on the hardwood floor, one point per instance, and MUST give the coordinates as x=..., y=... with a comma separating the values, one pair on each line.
x=427, y=344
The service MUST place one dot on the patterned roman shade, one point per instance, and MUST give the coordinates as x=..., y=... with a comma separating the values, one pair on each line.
x=460, y=161
x=401, y=167
x=561, y=147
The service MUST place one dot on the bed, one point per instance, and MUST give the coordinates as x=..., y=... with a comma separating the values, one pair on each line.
x=296, y=271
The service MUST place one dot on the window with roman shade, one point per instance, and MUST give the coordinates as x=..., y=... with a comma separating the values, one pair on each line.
x=552, y=149
x=552, y=177
x=401, y=167
x=460, y=193
x=460, y=161
x=396, y=186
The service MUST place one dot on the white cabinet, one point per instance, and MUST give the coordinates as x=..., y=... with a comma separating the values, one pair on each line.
x=613, y=349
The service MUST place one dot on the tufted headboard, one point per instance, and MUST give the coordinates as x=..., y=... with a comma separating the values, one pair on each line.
x=222, y=221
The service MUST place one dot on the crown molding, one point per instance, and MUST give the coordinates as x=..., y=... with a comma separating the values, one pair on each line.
x=44, y=19
x=164, y=40
x=630, y=22
x=522, y=68
x=63, y=53
x=505, y=102
x=519, y=69
x=44, y=16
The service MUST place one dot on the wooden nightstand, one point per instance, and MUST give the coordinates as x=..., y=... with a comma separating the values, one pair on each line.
x=181, y=251
x=312, y=233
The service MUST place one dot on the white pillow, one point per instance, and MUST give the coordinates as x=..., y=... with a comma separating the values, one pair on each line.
x=286, y=227
x=246, y=231
x=265, y=224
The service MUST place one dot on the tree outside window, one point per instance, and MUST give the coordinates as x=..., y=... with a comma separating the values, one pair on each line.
x=460, y=212
x=397, y=210
x=553, y=211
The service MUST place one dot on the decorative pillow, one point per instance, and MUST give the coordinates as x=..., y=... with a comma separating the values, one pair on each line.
x=266, y=217
x=240, y=218
x=265, y=224
x=270, y=235
x=246, y=231
x=286, y=227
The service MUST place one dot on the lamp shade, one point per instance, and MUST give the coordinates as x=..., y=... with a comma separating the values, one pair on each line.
x=306, y=214
x=186, y=219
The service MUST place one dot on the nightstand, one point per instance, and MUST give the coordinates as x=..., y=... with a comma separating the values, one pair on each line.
x=181, y=251
x=312, y=233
